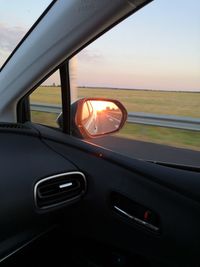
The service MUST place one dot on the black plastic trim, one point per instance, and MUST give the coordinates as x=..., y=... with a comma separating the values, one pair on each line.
x=66, y=97
x=177, y=166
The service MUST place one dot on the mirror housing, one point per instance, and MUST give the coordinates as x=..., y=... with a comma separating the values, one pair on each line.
x=96, y=117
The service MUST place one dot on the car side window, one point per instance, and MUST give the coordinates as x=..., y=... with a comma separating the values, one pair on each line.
x=45, y=101
x=150, y=63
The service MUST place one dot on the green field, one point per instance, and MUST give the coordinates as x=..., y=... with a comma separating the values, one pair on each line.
x=158, y=102
x=161, y=135
x=46, y=94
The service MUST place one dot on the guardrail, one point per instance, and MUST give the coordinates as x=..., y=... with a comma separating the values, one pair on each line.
x=46, y=108
x=168, y=121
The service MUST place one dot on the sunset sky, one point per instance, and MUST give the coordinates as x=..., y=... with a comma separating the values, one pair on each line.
x=156, y=48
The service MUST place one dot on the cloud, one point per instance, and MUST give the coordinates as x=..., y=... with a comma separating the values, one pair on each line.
x=87, y=55
x=9, y=38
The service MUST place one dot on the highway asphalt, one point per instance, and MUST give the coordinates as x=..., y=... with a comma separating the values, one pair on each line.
x=103, y=123
x=149, y=151
x=107, y=123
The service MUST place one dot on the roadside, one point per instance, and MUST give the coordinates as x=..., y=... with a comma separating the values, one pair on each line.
x=149, y=151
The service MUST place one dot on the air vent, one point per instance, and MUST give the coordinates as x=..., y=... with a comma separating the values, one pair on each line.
x=59, y=189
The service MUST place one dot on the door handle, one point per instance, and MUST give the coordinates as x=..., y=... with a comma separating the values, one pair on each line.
x=135, y=212
x=137, y=220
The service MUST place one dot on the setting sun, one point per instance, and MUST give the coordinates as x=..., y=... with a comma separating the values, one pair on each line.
x=99, y=105
x=102, y=105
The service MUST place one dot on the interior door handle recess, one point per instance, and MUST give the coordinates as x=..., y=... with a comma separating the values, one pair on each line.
x=135, y=212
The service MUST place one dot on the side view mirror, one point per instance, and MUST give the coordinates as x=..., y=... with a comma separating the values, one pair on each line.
x=95, y=117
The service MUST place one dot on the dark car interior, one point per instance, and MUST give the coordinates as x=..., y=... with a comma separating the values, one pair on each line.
x=67, y=202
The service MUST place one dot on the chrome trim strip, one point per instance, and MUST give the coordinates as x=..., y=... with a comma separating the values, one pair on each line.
x=124, y=212
x=65, y=185
x=139, y=221
x=56, y=176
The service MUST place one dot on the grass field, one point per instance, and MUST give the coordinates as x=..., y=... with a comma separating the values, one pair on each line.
x=46, y=94
x=161, y=135
x=158, y=102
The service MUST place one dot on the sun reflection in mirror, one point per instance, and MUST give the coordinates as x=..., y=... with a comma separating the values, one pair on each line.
x=103, y=105
x=100, y=117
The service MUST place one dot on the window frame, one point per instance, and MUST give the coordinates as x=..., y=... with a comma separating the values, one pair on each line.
x=23, y=106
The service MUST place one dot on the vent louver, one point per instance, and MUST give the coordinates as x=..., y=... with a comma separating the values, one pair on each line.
x=59, y=189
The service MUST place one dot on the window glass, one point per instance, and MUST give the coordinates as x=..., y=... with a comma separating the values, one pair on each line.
x=45, y=101
x=16, y=18
x=151, y=63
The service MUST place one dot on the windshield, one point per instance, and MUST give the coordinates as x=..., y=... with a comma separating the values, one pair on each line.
x=16, y=18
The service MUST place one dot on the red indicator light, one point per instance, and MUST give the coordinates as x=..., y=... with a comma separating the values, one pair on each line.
x=146, y=215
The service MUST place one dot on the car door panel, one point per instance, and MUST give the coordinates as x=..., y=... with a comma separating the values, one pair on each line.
x=25, y=159
x=171, y=193
x=42, y=152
